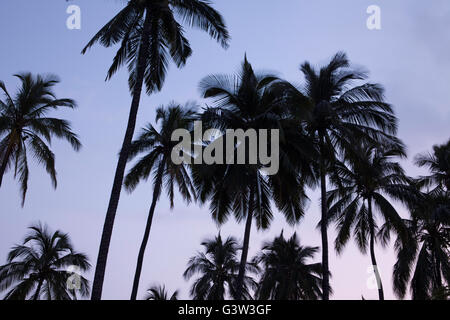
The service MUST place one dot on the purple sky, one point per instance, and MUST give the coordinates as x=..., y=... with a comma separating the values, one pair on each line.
x=410, y=56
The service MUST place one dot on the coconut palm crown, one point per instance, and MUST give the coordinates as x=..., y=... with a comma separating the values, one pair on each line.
x=27, y=129
x=286, y=273
x=44, y=266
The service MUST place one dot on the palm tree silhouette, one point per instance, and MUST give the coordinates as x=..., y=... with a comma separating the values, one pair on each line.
x=248, y=101
x=159, y=293
x=25, y=127
x=149, y=34
x=218, y=268
x=157, y=147
x=45, y=266
x=370, y=175
x=341, y=109
x=424, y=259
x=285, y=273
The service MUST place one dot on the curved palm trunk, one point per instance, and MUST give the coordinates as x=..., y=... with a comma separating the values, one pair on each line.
x=324, y=226
x=38, y=289
x=243, y=263
x=372, y=253
x=140, y=260
x=97, y=285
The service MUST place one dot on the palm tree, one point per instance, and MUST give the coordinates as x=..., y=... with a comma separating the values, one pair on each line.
x=425, y=260
x=159, y=293
x=286, y=275
x=218, y=268
x=157, y=148
x=45, y=266
x=25, y=126
x=438, y=163
x=341, y=108
x=249, y=101
x=149, y=34
x=371, y=174
x=441, y=294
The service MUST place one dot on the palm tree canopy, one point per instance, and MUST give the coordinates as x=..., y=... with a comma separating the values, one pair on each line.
x=425, y=260
x=157, y=146
x=218, y=268
x=369, y=173
x=438, y=162
x=246, y=101
x=44, y=266
x=165, y=35
x=26, y=128
x=286, y=273
x=159, y=293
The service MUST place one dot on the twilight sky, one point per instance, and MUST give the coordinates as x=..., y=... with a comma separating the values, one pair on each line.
x=410, y=56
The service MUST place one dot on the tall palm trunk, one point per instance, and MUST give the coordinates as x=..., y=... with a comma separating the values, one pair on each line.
x=243, y=263
x=372, y=252
x=140, y=260
x=97, y=285
x=324, y=224
x=5, y=162
x=38, y=289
